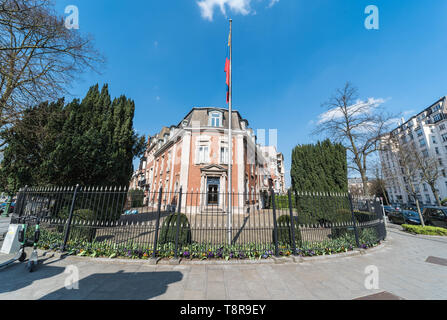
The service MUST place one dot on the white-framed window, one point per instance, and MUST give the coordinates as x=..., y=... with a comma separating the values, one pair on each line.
x=223, y=155
x=422, y=142
x=203, y=154
x=168, y=167
x=215, y=119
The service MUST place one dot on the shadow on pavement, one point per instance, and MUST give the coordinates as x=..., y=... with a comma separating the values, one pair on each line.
x=118, y=286
x=15, y=276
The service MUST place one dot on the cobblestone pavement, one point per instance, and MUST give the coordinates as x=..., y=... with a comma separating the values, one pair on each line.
x=402, y=266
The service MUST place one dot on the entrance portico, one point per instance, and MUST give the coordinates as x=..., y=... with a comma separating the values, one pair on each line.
x=212, y=188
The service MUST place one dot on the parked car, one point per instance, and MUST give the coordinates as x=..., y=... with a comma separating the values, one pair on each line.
x=396, y=217
x=128, y=212
x=411, y=216
x=391, y=208
x=435, y=216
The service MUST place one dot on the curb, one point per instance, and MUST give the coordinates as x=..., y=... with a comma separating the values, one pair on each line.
x=273, y=260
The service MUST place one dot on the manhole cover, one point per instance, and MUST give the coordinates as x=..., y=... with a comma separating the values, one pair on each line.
x=436, y=260
x=381, y=296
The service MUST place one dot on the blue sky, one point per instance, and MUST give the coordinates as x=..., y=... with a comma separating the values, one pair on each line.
x=289, y=56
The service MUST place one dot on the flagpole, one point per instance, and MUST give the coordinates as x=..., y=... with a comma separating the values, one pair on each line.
x=230, y=142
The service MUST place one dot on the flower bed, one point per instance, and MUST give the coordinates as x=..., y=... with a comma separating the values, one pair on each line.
x=52, y=241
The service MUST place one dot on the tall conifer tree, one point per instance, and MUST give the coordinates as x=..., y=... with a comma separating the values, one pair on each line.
x=90, y=142
x=320, y=167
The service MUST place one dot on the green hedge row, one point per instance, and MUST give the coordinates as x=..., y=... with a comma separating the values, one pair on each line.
x=427, y=230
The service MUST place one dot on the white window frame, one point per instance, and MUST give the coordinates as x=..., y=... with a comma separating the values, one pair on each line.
x=202, y=156
x=215, y=116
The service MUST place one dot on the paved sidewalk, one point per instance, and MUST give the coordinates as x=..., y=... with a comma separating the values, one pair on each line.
x=401, y=264
x=4, y=225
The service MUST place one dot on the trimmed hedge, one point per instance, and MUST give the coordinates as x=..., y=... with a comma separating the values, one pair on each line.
x=427, y=230
x=135, y=198
x=169, y=229
x=284, y=232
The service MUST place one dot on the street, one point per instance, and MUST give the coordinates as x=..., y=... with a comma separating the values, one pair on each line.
x=401, y=262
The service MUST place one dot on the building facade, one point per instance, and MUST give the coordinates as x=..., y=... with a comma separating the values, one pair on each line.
x=355, y=186
x=425, y=133
x=275, y=173
x=194, y=155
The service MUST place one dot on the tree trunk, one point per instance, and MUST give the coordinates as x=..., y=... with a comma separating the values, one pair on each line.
x=419, y=212
x=435, y=193
x=364, y=182
x=384, y=194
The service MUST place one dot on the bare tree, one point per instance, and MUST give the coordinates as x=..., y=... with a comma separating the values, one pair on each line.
x=357, y=124
x=429, y=172
x=408, y=158
x=39, y=56
x=379, y=184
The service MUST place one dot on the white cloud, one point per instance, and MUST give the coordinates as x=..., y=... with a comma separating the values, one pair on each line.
x=272, y=3
x=237, y=6
x=409, y=112
x=360, y=107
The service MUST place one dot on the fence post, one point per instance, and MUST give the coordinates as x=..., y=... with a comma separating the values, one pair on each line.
x=275, y=225
x=157, y=224
x=354, y=222
x=70, y=216
x=381, y=215
x=292, y=223
x=178, y=223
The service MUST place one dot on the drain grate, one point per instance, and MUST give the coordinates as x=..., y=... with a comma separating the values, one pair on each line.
x=436, y=260
x=381, y=296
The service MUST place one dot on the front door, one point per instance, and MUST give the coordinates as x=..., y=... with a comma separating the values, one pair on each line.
x=213, y=191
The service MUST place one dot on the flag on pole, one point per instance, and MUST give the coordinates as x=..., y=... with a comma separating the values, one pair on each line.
x=227, y=70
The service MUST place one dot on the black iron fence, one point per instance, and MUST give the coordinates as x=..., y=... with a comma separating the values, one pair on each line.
x=201, y=225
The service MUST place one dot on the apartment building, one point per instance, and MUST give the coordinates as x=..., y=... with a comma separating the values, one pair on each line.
x=193, y=155
x=355, y=186
x=426, y=133
x=275, y=173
